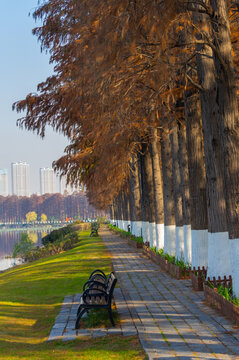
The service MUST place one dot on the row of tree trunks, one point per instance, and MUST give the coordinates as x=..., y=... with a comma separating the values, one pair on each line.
x=155, y=207
x=189, y=180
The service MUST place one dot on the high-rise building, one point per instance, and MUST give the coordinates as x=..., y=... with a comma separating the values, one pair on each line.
x=64, y=188
x=3, y=182
x=20, y=179
x=48, y=181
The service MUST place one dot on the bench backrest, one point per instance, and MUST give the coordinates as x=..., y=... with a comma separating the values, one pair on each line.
x=112, y=280
x=109, y=280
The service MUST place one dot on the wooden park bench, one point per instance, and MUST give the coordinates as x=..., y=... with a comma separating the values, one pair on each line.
x=98, y=279
x=97, y=295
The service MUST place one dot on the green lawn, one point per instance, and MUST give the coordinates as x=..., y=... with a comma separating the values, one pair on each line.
x=30, y=299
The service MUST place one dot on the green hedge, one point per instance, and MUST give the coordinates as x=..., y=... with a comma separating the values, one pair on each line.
x=56, y=235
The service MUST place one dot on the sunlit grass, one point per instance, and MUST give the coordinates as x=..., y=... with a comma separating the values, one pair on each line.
x=30, y=299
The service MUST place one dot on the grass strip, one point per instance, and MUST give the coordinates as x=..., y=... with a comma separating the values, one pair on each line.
x=30, y=299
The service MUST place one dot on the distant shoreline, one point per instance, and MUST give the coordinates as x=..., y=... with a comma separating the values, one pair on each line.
x=37, y=228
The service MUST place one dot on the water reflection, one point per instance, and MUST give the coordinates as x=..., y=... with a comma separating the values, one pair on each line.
x=6, y=263
x=7, y=241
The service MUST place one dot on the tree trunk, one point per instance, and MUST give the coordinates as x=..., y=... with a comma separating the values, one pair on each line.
x=179, y=251
x=115, y=211
x=184, y=176
x=121, y=211
x=111, y=213
x=158, y=190
x=136, y=214
x=229, y=126
x=168, y=195
x=126, y=209
x=218, y=246
x=197, y=180
x=116, y=206
x=148, y=190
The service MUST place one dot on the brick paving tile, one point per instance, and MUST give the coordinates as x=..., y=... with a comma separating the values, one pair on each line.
x=55, y=334
x=171, y=319
x=83, y=332
x=99, y=333
x=69, y=335
x=114, y=331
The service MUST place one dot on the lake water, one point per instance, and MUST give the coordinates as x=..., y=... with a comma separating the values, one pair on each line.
x=7, y=241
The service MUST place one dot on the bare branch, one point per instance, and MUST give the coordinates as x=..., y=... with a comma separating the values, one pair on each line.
x=198, y=86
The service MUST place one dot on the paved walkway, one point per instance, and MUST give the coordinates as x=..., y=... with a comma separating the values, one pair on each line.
x=172, y=321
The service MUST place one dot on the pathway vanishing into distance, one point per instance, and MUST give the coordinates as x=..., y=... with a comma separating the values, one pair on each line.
x=171, y=319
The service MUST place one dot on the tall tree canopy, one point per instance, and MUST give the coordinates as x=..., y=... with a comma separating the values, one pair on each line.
x=120, y=69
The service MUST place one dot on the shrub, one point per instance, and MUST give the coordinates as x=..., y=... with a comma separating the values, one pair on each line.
x=52, y=248
x=226, y=292
x=56, y=235
x=27, y=250
x=23, y=246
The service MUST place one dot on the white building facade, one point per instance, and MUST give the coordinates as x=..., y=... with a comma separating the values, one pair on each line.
x=49, y=182
x=4, y=182
x=20, y=178
x=64, y=188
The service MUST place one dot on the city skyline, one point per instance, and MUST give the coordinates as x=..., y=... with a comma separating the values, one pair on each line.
x=49, y=181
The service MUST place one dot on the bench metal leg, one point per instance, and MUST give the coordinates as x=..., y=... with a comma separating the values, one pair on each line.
x=81, y=312
x=111, y=316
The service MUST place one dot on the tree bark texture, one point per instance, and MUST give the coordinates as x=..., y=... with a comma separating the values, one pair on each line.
x=167, y=170
x=111, y=212
x=147, y=186
x=135, y=198
x=148, y=190
x=127, y=207
x=184, y=174
x=176, y=178
x=121, y=209
x=168, y=194
x=228, y=111
x=197, y=178
x=216, y=205
x=157, y=178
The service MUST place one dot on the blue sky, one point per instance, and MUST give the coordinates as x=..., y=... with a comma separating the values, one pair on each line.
x=22, y=67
